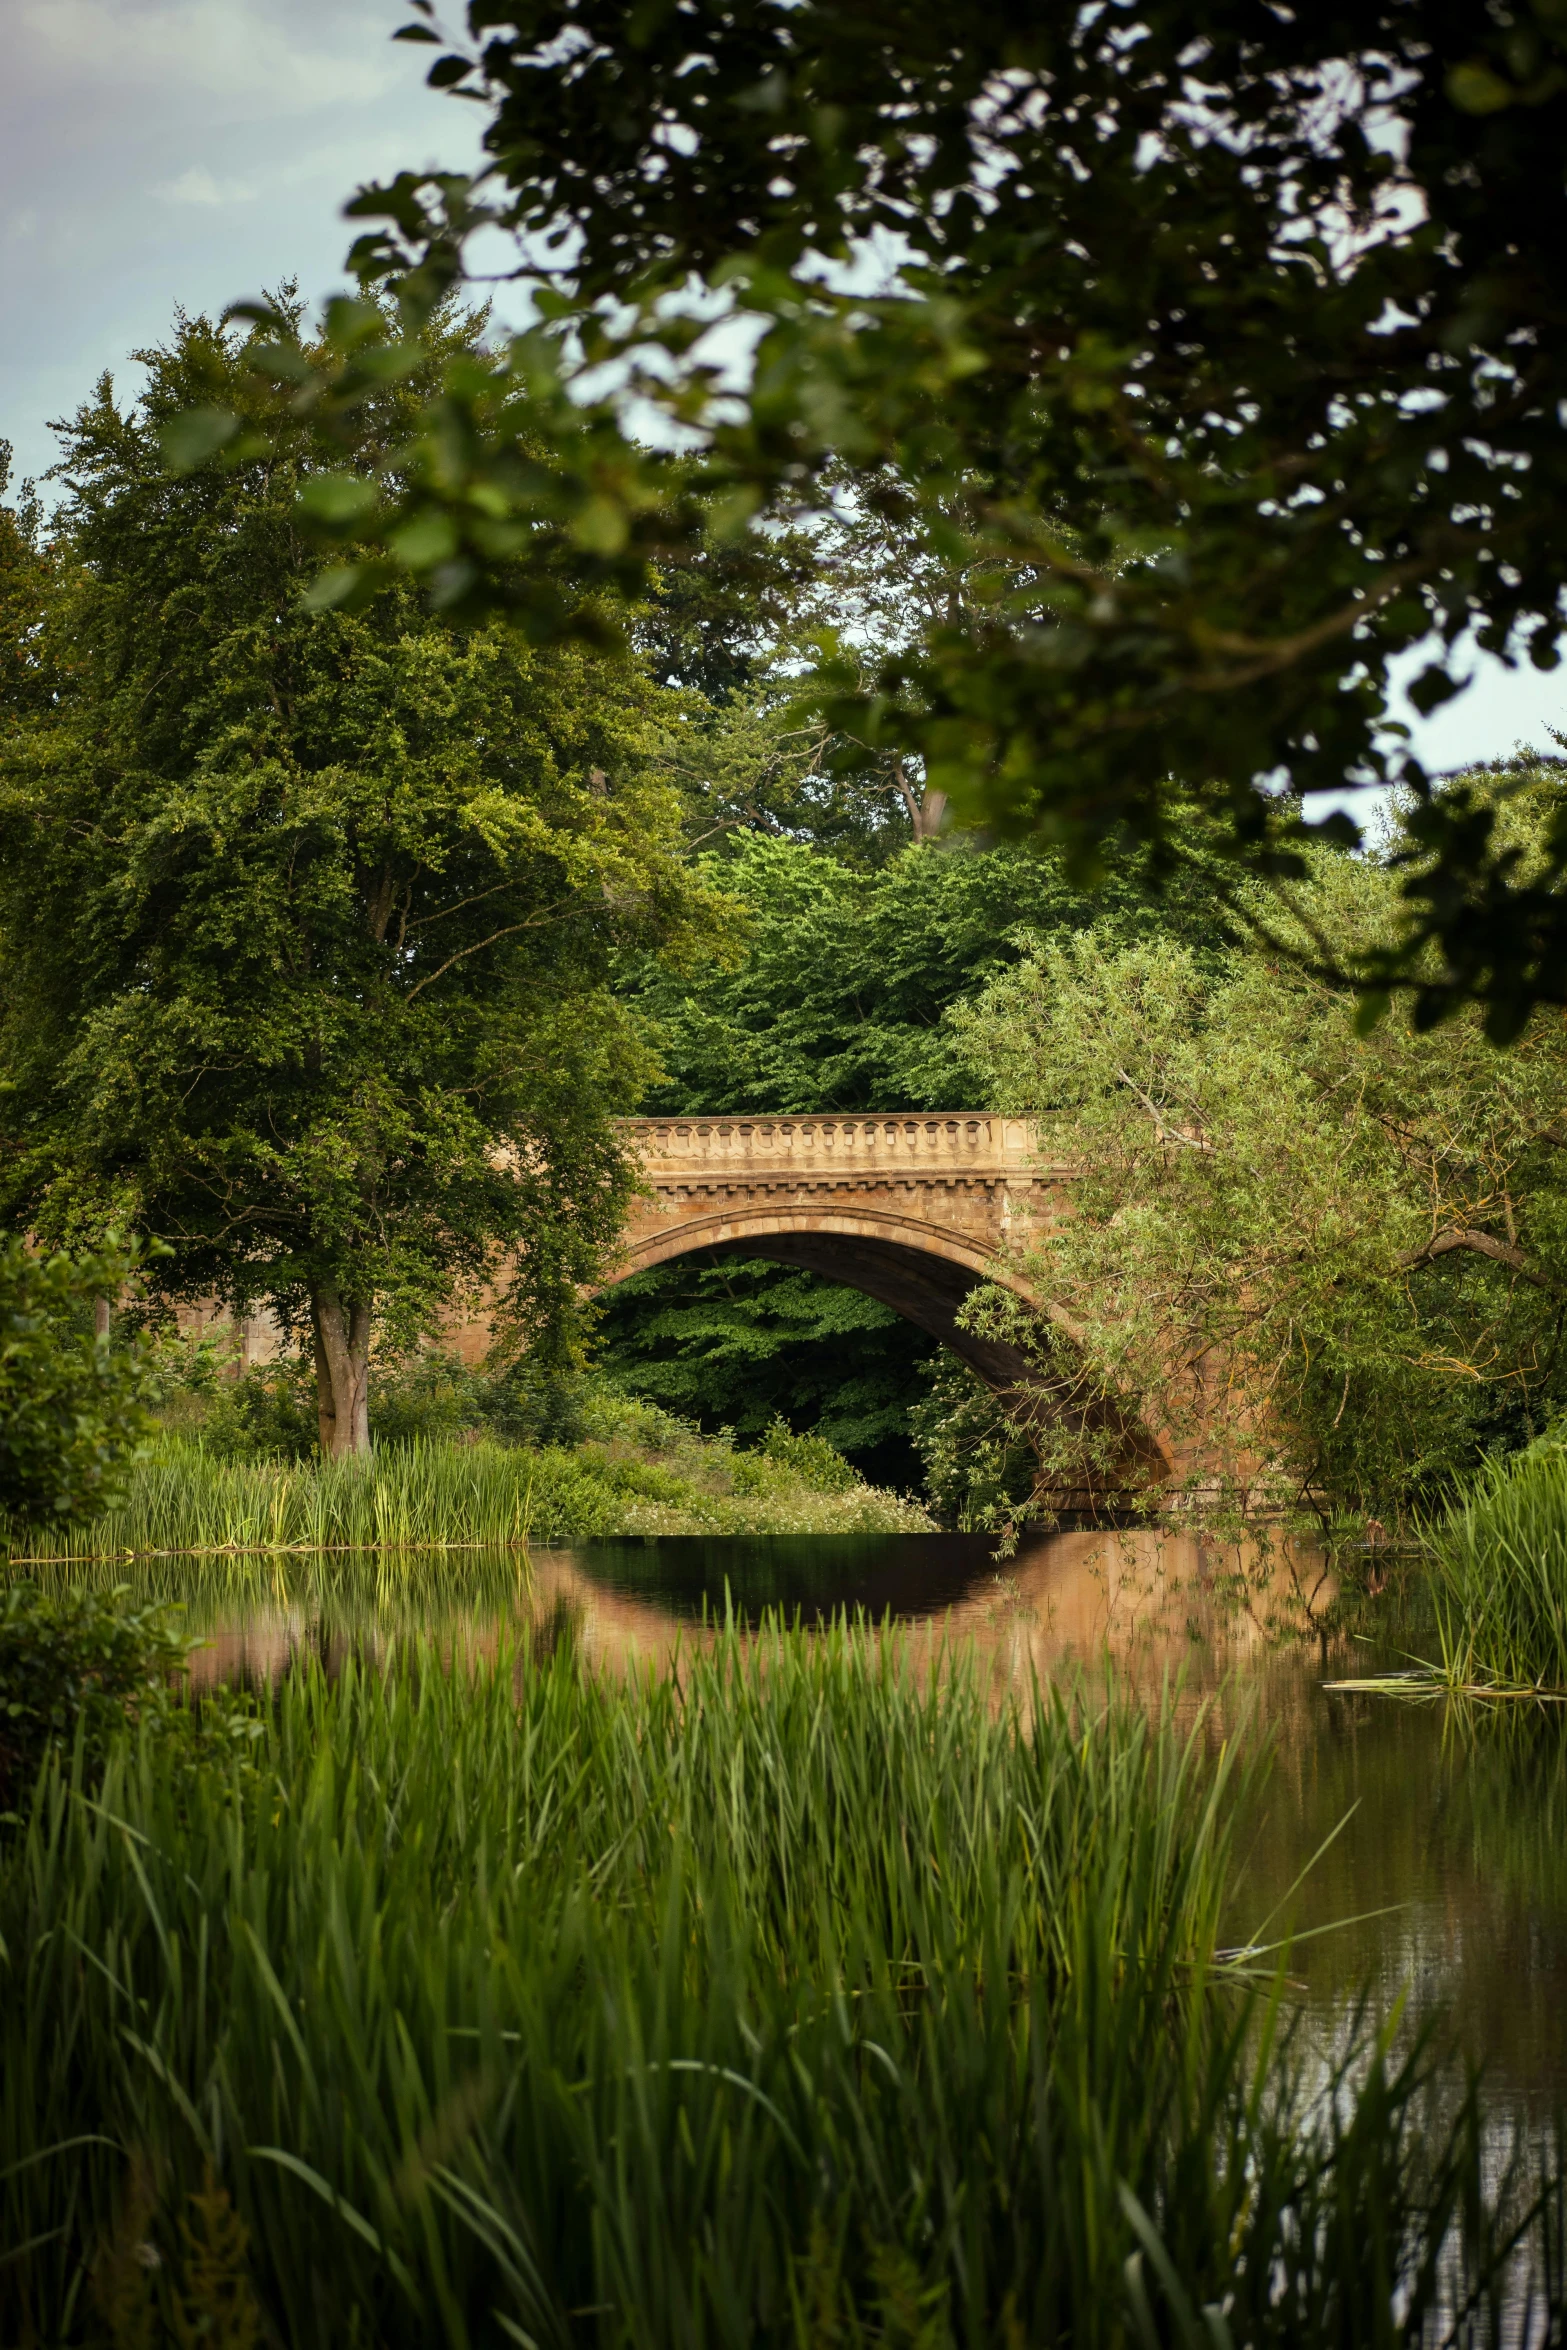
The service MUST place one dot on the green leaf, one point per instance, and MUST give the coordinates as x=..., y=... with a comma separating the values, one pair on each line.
x=601, y=526
x=1476, y=89
x=339, y=500
x=425, y=541
x=280, y=362
x=350, y=320
x=259, y=314
x=417, y=32
x=334, y=588
x=190, y=440
x=313, y=2179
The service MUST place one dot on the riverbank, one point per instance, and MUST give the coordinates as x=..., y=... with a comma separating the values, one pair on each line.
x=641, y=1472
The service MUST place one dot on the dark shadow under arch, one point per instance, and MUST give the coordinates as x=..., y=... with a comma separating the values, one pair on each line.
x=922, y=1273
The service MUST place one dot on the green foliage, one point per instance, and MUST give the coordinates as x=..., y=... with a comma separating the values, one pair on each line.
x=1230, y=393
x=867, y=579
x=844, y=996
x=508, y=1995
x=266, y=1412
x=310, y=917
x=28, y=677
x=722, y=613
x=431, y=1395
x=75, y=1666
x=238, y=1411
x=810, y=1458
x=735, y=1342
x=1334, y=1259
x=979, y=1468
x=636, y=1471
x=1499, y=1575
x=73, y=1408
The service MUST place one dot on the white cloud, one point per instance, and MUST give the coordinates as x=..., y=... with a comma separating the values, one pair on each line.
x=204, y=103
x=255, y=57
x=197, y=186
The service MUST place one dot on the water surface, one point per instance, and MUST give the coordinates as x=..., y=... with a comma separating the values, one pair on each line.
x=1445, y=1828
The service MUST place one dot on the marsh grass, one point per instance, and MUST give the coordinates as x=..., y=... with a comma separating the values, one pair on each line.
x=449, y=1496
x=804, y=1997
x=1499, y=1580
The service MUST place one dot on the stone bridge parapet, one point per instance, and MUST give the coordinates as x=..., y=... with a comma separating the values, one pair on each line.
x=914, y=1208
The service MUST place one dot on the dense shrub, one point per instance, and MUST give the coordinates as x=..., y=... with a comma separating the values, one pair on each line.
x=75, y=1663
x=73, y=1407
x=810, y=1458
x=265, y=1412
x=434, y=1394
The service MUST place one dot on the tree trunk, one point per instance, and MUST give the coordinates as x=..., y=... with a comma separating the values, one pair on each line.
x=100, y=1317
x=928, y=814
x=342, y=1337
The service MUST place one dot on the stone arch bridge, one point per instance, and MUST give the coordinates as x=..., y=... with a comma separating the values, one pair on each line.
x=914, y=1210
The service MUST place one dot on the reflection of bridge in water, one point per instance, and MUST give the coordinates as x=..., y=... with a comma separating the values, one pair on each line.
x=915, y=1210
x=1140, y=1596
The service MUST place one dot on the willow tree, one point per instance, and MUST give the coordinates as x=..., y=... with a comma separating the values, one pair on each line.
x=308, y=916
x=1338, y=1261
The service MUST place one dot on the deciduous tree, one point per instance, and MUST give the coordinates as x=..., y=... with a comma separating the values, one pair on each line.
x=1339, y=1260
x=309, y=917
x=1226, y=342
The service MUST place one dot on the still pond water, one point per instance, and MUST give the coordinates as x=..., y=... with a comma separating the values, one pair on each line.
x=1445, y=1884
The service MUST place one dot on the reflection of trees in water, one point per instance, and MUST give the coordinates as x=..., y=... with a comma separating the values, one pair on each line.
x=1153, y=1600
x=1451, y=1822
x=1508, y=1768
x=1454, y=1820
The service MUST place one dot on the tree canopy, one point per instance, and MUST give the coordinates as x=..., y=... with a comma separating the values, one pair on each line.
x=1223, y=348
x=310, y=918
x=74, y=1409
x=1340, y=1260
x=841, y=1000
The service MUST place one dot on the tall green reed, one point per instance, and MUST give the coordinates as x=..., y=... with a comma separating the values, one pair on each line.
x=433, y=1496
x=1499, y=1576
x=417, y=1496
x=804, y=1997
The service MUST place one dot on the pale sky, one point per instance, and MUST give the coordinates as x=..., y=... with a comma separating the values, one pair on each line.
x=156, y=153
x=164, y=152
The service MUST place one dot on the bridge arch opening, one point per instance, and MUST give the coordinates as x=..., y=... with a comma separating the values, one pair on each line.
x=923, y=1276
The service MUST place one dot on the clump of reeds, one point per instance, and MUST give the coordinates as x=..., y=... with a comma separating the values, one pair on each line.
x=803, y=1997
x=1499, y=1577
x=433, y=1496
